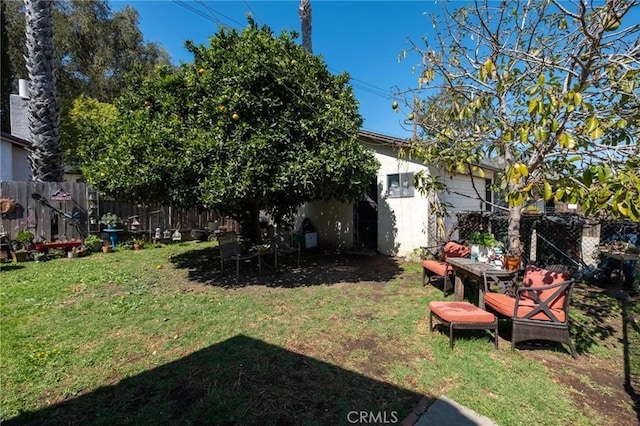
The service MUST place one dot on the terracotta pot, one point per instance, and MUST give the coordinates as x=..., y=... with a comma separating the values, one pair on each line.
x=511, y=263
x=106, y=249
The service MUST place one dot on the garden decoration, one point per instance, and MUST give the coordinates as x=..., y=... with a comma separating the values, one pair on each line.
x=73, y=218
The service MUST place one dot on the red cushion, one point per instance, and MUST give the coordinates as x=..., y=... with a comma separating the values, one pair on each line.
x=437, y=267
x=506, y=304
x=452, y=249
x=460, y=312
x=540, y=277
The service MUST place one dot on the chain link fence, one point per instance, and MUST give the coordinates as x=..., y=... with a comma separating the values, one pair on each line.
x=561, y=238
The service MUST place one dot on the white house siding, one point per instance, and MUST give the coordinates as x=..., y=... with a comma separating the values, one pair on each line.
x=462, y=197
x=403, y=222
x=6, y=161
x=21, y=167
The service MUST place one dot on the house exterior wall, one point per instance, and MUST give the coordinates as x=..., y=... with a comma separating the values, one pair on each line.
x=332, y=219
x=462, y=196
x=21, y=167
x=6, y=161
x=402, y=221
x=14, y=164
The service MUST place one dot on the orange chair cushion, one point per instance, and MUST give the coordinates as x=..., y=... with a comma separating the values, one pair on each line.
x=437, y=267
x=540, y=277
x=460, y=312
x=452, y=249
x=506, y=305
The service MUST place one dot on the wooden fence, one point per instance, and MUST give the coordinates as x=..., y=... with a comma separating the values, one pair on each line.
x=69, y=210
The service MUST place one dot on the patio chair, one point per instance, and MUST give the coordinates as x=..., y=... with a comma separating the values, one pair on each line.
x=230, y=251
x=439, y=267
x=538, y=309
x=281, y=245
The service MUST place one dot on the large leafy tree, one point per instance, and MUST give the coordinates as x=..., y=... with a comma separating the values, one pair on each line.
x=45, y=155
x=94, y=48
x=7, y=71
x=551, y=88
x=253, y=123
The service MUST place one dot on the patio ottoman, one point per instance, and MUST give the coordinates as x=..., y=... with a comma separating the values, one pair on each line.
x=462, y=315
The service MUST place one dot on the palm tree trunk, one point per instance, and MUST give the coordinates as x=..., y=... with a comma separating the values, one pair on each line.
x=45, y=155
x=305, y=18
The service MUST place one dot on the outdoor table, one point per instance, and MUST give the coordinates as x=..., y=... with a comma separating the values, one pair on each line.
x=464, y=267
x=621, y=258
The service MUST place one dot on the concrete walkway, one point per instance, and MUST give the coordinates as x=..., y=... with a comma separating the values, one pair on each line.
x=445, y=412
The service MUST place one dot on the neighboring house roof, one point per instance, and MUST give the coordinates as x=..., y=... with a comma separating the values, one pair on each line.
x=373, y=137
x=14, y=140
x=493, y=164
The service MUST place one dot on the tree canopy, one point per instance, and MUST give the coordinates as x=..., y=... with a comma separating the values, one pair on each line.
x=253, y=123
x=94, y=48
x=550, y=88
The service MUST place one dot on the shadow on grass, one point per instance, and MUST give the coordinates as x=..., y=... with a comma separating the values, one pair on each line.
x=598, y=320
x=631, y=339
x=317, y=267
x=8, y=267
x=238, y=381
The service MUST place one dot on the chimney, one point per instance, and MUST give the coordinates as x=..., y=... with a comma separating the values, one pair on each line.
x=19, y=111
x=23, y=88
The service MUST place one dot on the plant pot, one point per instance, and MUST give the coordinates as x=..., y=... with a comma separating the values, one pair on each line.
x=107, y=249
x=137, y=246
x=70, y=255
x=21, y=256
x=511, y=263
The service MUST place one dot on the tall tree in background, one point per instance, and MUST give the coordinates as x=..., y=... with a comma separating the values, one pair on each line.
x=7, y=72
x=94, y=49
x=253, y=123
x=549, y=87
x=304, y=11
x=45, y=155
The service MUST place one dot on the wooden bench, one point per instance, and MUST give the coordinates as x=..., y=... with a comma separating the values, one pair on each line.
x=440, y=268
x=462, y=315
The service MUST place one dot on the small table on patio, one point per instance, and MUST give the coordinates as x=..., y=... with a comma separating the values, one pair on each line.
x=621, y=258
x=464, y=267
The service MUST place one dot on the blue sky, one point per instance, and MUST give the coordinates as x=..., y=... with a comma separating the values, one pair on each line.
x=363, y=38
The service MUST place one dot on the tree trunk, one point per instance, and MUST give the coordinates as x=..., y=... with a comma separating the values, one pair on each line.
x=515, y=244
x=305, y=18
x=45, y=155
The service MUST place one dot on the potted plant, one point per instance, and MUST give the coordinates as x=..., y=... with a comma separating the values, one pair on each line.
x=138, y=243
x=110, y=220
x=93, y=242
x=22, y=245
x=480, y=243
x=511, y=260
x=106, y=247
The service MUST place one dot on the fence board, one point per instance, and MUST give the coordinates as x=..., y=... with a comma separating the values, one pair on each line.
x=46, y=223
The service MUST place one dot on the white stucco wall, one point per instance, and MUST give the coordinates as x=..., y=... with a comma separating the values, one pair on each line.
x=332, y=219
x=14, y=164
x=402, y=222
x=21, y=167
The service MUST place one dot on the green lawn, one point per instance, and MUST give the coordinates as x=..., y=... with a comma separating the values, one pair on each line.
x=159, y=336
